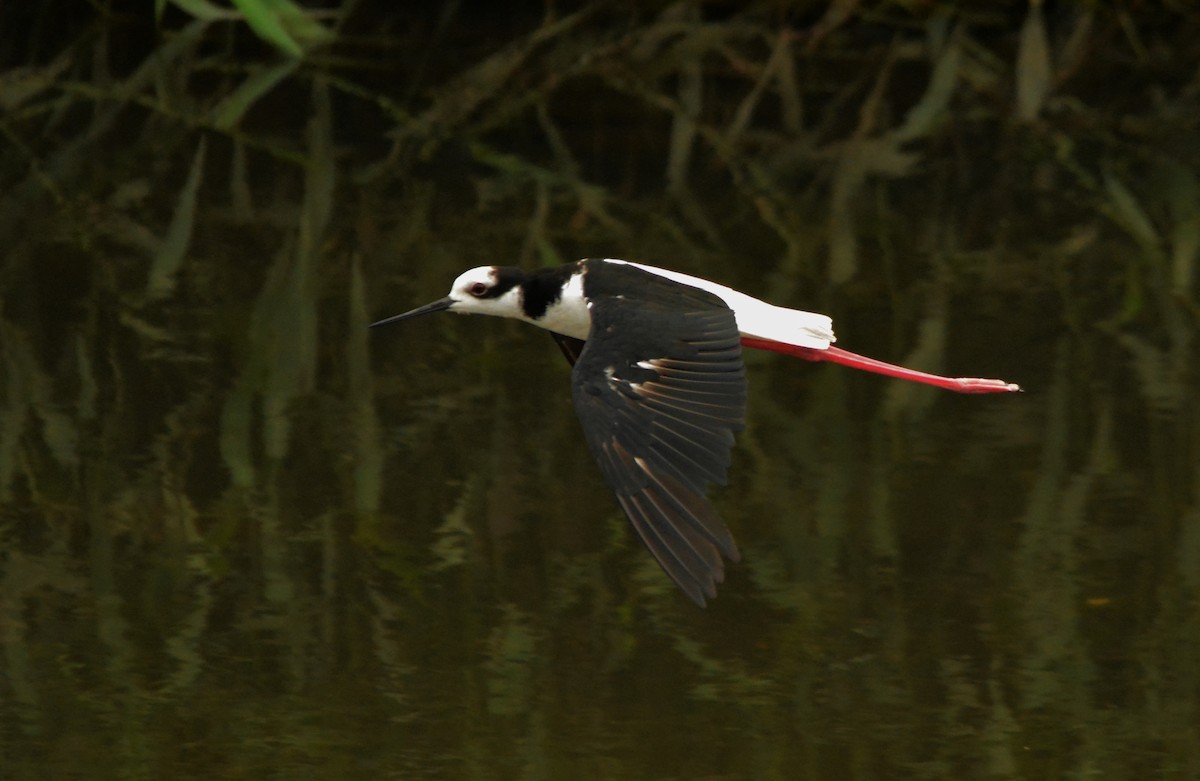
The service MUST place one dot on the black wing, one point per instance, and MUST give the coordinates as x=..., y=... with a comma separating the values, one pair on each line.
x=660, y=390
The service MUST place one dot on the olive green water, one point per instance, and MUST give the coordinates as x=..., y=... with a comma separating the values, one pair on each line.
x=241, y=536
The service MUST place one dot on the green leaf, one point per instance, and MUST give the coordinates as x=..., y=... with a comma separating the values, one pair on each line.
x=267, y=25
x=198, y=9
x=1183, y=196
x=179, y=233
x=284, y=25
x=1129, y=214
x=923, y=117
x=237, y=103
x=300, y=24
x=1033, y=65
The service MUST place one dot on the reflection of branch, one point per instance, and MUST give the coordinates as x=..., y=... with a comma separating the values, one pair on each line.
x=748, y=174
x=591, y=197
x=462, y=97
x=682, y=141
x=779, y=68
x=868, y=152
x=514, y=172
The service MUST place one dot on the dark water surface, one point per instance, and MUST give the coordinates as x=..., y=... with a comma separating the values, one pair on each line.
x=933, y=586
x=241, y=536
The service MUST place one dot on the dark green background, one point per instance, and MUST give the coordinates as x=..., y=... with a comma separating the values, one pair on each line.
x=243, y=537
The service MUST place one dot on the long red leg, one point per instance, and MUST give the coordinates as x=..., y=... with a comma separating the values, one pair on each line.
x=854, y=360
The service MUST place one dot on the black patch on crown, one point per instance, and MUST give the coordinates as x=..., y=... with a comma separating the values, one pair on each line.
x=542, y=288
x=507, y=277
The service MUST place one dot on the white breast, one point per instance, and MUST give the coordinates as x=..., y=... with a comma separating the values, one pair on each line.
x=569, y=315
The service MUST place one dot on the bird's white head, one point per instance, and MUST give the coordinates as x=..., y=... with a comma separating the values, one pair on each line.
x=486, y=290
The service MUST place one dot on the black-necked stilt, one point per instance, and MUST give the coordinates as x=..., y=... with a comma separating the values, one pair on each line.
x=659, y=386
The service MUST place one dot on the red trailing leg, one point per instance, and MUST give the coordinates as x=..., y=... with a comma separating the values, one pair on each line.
x=856, y=361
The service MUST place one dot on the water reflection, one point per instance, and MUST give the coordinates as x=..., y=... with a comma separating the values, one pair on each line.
x=938, y=588
x=244, y=537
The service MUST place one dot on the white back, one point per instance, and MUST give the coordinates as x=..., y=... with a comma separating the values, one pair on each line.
x=757, y=318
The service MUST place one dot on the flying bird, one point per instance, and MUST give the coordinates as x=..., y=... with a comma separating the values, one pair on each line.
x=659, y=385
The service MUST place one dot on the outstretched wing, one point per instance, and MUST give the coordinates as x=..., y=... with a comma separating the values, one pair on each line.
x=660, y=390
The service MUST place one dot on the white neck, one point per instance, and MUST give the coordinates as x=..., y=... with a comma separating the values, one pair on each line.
x=569, y=315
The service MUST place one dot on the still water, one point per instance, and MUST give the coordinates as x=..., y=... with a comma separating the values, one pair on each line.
x=245, y=537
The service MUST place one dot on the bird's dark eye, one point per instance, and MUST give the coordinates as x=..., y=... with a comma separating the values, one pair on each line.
x=477, y=289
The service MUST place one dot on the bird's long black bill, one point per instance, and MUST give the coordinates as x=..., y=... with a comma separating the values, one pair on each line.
x=441, y=305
